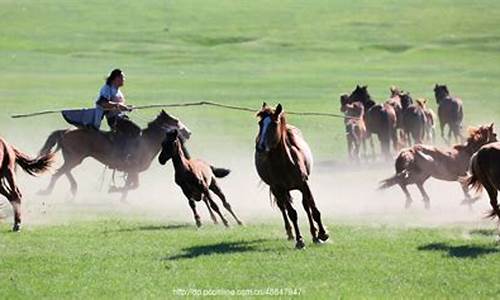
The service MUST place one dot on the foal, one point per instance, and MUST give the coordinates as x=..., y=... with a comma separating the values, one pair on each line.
x=416, y=164
x=9, y=158
x=195, y=178
x=283, y=161
x=354, y=126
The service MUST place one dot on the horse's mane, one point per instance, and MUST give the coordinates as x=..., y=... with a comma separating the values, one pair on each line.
x=475, y=134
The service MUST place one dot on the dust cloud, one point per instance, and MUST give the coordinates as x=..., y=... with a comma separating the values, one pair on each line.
x=345, y=194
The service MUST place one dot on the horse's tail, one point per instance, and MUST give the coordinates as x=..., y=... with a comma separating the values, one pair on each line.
x=473, y=181
x=391, y=181
x=34, y=166
x=220, y=172
x=53, y=140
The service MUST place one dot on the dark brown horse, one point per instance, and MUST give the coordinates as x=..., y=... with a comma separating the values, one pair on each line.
x=355, y=127
x=284, y=161
x=196, y=178
x=380, y=119
x=416, y=164
x=78, y=144
x=414, y=120
x=450, y=112
x=10, y=156
x=485, y=170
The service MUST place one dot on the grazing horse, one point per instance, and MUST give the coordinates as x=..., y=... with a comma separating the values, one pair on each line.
x=355, y=126
x=380, y=119
x=196, y=178
x=416, y=164
x=78, y=144
x=485, y=172
x=430, y=126
x=414, y=120
x=284, y=161
x=10, y=156
x=450, y=111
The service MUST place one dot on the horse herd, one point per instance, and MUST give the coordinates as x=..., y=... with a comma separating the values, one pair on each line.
x=283, y=159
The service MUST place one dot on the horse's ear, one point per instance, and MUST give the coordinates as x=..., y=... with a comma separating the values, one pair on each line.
x=436, y=86
x=492, y=125
x=264, y=104
x=365, y=87
x=279, y=110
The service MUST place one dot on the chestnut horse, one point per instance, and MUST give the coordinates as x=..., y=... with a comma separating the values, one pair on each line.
x=355, y=127
x=78, y=144
x=430, y=116
x=450, y=112
x=485, y=170
x=196, y=178
x=284, y=161
x=416, y=164
x=10, y=156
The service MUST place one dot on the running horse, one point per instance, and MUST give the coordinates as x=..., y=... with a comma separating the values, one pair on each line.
x=417, y=164
x=81, y=143
x=284, y=161
x=10, y=156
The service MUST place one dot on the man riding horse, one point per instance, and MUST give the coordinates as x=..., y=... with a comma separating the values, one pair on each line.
x=112, y=102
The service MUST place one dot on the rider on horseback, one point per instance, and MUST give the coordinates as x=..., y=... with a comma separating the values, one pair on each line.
x=112, y=102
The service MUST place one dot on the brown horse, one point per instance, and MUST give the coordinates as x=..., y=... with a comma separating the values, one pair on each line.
x=10, y=156
x=78, y=144
x=450, y=112
x=380, y=119
x=355, y=127
x=430, y=125
x=485, y=170
x=284, y=161
x=416, y=164
x=414, y=120
x=196, y=178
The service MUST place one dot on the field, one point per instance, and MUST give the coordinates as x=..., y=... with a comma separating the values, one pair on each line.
x=303, y=54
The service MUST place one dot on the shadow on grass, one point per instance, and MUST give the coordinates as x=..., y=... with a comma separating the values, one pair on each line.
x=465, y=251
x=219, y=248
x=484, y=232
x=156, y=227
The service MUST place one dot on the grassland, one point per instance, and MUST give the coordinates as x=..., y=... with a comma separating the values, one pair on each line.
x=55, y=54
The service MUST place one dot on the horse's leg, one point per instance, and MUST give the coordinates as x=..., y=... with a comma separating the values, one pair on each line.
x=450, y=130
x=216, y=208
x=197, y=218
x=468, y=199
x=214, y=187
x=214, y=219
x=17, y=214
x=15, y=198
x=316, y=215
x=131, y=183
x=307, y=208
x=292, y=213
x=409, y=200
x=68, y=165
x=426, y=198
x=288, y=227
x=493, y=194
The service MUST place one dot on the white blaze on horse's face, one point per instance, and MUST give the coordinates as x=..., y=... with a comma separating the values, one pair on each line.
x=262, y=145
x=185, y=133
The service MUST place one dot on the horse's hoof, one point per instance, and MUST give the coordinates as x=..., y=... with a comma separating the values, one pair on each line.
x=300, y=244
x=240, y=223
x=16, y=227
x=226, y=224
x=291, y=238
x=427, y=206
x=317, y=241
x=323, y=236
x=198, y=223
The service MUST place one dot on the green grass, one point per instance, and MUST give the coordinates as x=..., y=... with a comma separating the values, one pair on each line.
x=130, y=259
x=304, y=54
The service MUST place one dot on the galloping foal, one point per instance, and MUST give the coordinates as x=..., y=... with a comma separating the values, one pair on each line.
x=284, y=161
x=10, y=156
x=196, y=178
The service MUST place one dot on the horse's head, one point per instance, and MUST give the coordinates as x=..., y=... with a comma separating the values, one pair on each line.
x=272, y=124
x=168, y=122
x=406, y=99
x=440, y=92
x=482, y=135
x=360, y=94
x=344, y=101
x=169, y=146
x=395, y=91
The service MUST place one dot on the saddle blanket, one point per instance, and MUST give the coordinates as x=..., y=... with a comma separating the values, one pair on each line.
x=90, y=117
